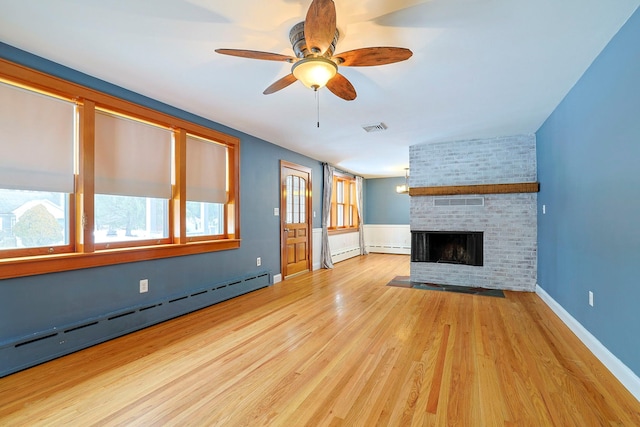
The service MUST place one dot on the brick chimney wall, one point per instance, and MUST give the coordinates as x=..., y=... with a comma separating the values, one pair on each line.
x=508, y=221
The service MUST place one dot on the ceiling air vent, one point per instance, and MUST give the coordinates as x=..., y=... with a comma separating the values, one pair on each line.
x=375, y=127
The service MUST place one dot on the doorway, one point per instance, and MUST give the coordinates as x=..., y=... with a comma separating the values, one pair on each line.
x=295, y=218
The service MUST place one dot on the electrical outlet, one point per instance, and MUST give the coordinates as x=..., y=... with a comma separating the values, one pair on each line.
x=276, y=212
x=258, y=261
x=144, y=285
x=591, y=298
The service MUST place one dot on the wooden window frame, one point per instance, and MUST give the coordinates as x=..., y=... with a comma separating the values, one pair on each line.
x=349, y=203
x=82, y=253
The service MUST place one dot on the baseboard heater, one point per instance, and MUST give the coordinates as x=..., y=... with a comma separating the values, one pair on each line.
x=27, y=351
x=344, y=254
x=389, y=249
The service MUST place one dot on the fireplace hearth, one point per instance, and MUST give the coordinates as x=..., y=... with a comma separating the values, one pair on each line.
x=452, y=247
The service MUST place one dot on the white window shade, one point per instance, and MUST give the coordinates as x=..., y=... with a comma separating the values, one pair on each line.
x=37, y=141
x=206, y=171
x=132, y=158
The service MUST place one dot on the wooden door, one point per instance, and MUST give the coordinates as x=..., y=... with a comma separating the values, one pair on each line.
x=295, y=218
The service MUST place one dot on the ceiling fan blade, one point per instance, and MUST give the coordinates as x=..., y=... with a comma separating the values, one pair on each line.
x=369, y=56
x=254, y=54
x=320, y=25
x=341, y=87
x=280, y=84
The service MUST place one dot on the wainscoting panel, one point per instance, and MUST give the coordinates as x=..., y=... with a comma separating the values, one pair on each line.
x=388, y=239
x=344, y=246
x=38, y=347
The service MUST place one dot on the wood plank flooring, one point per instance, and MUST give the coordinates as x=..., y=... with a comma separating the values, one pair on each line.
x=333, y=348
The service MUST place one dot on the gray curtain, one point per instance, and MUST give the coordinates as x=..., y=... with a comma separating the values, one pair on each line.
x=360, y=206
x=326, y=216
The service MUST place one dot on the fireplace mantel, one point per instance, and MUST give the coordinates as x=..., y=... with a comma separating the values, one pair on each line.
x=449, y=190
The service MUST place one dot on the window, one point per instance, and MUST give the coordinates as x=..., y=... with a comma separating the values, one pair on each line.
x=132, y=187
x=36, y=171
x=112, y=181
x=344, y=214
x=206, y=187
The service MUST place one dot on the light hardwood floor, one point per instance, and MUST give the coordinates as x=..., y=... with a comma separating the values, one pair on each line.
x=331, y=348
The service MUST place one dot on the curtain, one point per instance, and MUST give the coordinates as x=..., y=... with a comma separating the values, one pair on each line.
x=360, y=206
x=326, y=216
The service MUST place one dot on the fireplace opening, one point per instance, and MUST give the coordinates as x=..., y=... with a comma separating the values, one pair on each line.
x=453, y=247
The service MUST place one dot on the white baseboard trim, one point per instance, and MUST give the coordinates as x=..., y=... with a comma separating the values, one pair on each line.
x=277, y=278
x=625, y=375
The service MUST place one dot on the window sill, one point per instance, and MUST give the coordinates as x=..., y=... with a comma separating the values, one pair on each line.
x=31, y=266
x=344, y=230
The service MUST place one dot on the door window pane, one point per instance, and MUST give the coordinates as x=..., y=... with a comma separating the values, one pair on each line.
x=296, y=200
x=289, y=199
x=303, y=200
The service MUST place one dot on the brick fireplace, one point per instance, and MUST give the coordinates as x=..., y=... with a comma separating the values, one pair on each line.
x=503, y=211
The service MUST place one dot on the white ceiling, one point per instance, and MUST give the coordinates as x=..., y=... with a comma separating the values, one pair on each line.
x=481, y=68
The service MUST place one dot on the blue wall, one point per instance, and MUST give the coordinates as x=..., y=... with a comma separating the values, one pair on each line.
x=31, y=304
x=589, y=171
x=382, y=205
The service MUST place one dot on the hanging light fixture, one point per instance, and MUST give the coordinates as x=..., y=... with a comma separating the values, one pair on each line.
x=314, y=72
x=404, y=188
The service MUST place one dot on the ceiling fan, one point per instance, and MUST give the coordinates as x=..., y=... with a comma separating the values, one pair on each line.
x=314, y=63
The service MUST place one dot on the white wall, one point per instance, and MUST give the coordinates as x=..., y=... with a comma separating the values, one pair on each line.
x=388, y=239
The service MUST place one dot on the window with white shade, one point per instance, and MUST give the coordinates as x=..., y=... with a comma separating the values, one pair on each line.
x=88, y=179
x=37, y=137
x=206, y=176
x=132, y=179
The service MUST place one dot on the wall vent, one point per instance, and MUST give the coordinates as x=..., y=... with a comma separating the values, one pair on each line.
x=35, y=340
x=77, y=328
x=454, y=201
x=375, y=127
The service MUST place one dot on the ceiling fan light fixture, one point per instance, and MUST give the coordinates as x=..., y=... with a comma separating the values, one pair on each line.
x=314, y=72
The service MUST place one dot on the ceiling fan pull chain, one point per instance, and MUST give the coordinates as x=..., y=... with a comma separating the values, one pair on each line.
x=317, y=107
